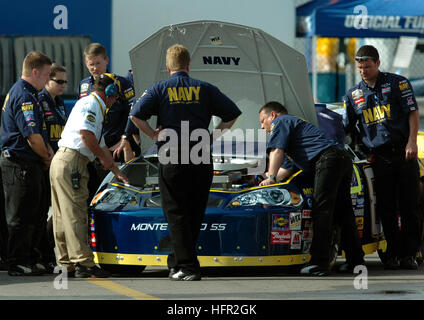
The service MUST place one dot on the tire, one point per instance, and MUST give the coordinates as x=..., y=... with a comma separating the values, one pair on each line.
x=123, y=269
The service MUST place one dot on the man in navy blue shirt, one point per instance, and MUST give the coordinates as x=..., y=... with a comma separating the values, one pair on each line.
x=55, y=116
x=118, y=129
x=308, y=149
x=384, y=108
x=181, y=104
x=25, y=156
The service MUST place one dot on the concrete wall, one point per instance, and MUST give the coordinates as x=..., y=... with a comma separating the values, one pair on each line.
x=135, y=20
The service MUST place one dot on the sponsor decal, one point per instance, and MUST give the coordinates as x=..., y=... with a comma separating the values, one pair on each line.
x=360, y=202
x=91, y=118
x=27, y=106
x=386, y=90
x=358, y=212
x=295, y=220
x=280, y=237
x=216, y=40
x=403, y=85
x=306, y=214
x=306, y=246
x=359, y=223
x=129, y=93
x=307, y=235
x=359, y=100
x=280, y=222
x=296, y=240
x=356, y=94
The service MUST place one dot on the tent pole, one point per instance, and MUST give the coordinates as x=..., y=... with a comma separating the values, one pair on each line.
x=314, y=68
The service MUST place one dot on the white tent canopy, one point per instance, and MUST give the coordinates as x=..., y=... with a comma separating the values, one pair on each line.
x=247, y=64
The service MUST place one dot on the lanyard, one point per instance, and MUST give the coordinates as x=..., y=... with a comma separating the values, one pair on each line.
x=100, y=105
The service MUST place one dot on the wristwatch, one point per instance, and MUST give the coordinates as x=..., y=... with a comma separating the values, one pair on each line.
x=272, y=177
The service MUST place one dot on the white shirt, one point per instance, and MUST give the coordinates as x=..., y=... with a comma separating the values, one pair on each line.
x=87, y=114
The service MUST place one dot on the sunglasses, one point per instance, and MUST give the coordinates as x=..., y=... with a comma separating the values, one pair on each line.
x=59, y=81
x=364, y=58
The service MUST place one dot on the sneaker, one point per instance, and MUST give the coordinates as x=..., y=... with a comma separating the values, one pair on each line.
x=408, y=263
x=186, y=275
x=90, y=272
x=392, y=264
x=24, y=270
x=314, y=270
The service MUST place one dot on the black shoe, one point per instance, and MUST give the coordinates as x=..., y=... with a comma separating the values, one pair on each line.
x=314, y=270
x=348, y=268
x=172, y=271
x=92, y=272
x=186, y=275
x=48, y=266
x=24, y=270
x=392, y=264
x=408, y=263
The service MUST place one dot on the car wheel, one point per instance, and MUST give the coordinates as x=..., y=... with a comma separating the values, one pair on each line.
x=335, y=247
x=123, y=269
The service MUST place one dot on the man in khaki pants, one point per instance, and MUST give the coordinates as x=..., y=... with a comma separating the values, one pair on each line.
x=80, y=143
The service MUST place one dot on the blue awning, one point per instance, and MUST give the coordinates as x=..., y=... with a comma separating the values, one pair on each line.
x=361, y=18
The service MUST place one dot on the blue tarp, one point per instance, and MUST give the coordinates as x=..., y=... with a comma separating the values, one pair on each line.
x=361, y=18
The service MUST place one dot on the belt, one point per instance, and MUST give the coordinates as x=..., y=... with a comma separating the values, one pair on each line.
x=24, y=161
x=66, y=149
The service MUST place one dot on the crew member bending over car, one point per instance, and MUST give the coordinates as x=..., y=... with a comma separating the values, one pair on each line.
x=384, y=107
x=184, y=185
x=81, y=142
x=308, y=149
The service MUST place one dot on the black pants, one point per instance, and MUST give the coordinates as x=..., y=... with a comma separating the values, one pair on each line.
x=184, y=192
x=3, y=225
x=332, y=206
x=397, y=192
x=25, y=205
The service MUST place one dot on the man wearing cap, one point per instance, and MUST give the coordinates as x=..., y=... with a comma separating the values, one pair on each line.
x=81, y=142
x=384, y=108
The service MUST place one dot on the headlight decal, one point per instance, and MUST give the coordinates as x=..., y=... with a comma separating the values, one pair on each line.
x=273, y=196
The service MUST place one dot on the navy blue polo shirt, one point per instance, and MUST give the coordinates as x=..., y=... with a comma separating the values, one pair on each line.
x=117, y=122
x=330, y=123
x=21, y=117
x=55, y=116
x=300, y=140
x=182, y=98
x=382, y=111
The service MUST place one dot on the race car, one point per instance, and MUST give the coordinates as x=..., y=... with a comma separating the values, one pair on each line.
x=245, y=224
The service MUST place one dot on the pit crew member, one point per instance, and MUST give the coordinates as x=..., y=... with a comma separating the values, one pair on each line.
x=384, y=108
x=80, y=143
x=25, y=156
x=308, y=149
x=182, y=98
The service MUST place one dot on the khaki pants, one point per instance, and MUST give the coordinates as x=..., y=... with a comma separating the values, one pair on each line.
x=69, y=206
